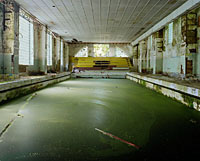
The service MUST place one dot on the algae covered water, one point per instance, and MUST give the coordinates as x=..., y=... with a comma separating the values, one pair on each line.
x=59, y=123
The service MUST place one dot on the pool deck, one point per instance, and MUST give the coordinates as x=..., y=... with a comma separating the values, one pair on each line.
x=26, y=85
x=187, y=92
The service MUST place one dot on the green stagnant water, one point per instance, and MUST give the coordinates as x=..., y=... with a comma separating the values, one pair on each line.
x=59, y=124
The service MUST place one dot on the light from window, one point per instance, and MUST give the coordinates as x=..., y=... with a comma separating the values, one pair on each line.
x=101, y=50
x=82, y=53
x=170, y=33
x=61, y=53
x=120, y=53
x=26, y=42
x=49, y=49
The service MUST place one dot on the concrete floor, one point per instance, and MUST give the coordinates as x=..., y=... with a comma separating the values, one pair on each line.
x=59, y=124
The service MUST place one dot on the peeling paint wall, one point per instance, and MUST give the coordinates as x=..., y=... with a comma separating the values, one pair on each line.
x=40, y=52
x=198, y=43
x=174, y=53
x=66, y=57
x=9, y=46
x=135, y=58
x=1, y=40
x=178, y=58
x=58, y=48
x=142, y=56
x=10, y=40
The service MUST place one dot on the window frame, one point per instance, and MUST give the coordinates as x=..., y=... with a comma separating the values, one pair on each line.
x=26, y=41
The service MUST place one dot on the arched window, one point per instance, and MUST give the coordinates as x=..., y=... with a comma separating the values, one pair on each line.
x=120, y=53
x=83, y=52
x=101, y=50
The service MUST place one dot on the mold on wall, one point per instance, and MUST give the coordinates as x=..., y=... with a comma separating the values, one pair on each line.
x=198, y=44
x=9, y=30
x=174, y=50
x=1, y=40
x=174, y=53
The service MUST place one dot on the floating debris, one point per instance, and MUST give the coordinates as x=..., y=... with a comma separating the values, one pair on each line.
x=19, y=115
x=117, y=138
x=193, y=121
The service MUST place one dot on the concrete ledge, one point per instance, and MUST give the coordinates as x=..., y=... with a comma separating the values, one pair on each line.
x=189, y=96
x=10, y=90
x=112, y=74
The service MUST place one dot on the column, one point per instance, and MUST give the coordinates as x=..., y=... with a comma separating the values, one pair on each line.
x=10, y=40
x=112, y=50
x=66, y=57
x=159, y=56
x=135, y=58
x=90, y=50
x=40, y=51
x=58, y=51
x=1, y=41
x=142, y=56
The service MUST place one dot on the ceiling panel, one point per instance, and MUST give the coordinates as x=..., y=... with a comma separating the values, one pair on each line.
x=100, y=20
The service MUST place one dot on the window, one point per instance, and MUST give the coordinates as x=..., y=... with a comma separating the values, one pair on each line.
x=61, y=53
x=120, y=53
x=151, y=41
x=82, y=53
x=49, y=49
x=26, y=42
x=101, y=50
x=170, y=33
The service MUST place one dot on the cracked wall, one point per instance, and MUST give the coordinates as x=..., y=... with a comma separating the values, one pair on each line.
x=179, y=58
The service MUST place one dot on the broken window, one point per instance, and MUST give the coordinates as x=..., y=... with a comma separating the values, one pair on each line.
x=101, y=50
x=83, y=52
x=26, y=41
x=120, y=53
x=49, y=49
x=170, y=33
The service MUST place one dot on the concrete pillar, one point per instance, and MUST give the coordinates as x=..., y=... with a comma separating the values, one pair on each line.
x=135, y=58
x=66, y=57
x=56, y=63
x=9, y=30
x=90, y=50
x=198, y=44
x=149, y=47
x=112, y=50
x=40, y=51
x=54, y=53
x=142, y=57
x=158, y=68
x=1, y=41
x=58, y=47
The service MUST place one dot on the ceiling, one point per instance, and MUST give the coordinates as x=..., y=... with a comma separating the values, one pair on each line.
x=100, y=21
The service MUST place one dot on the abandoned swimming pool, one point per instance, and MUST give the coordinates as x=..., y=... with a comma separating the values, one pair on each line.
x=59, y=122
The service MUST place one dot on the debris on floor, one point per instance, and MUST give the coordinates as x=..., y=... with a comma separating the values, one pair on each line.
x=117, y=138
x=193, y=121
